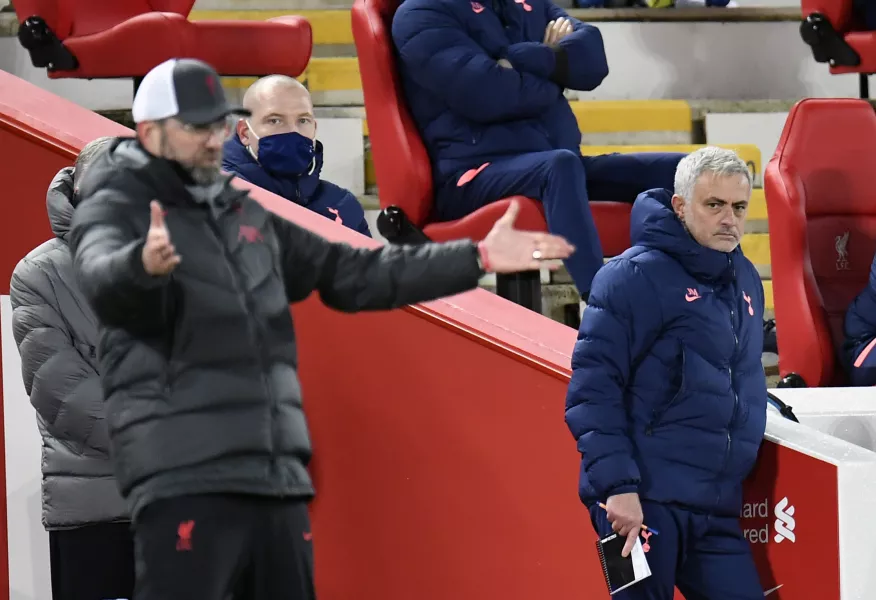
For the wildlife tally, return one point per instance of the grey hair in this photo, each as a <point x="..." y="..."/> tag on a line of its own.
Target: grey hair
<point x="711" y="159"/>
<point x="87" y="155"/>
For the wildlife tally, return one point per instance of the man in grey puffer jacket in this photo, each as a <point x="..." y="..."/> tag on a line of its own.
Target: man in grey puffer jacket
<point x="91" y="547"/>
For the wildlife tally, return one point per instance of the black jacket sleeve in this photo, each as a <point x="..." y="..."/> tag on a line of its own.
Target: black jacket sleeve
<point x="107" y="255"/>
<point x="355" y="279"/>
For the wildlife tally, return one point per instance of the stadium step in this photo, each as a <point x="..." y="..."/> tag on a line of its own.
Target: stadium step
<point x="757" y="210"/>
<point x="634" y="121"/>
<point x="330" y="27"/>
<point x="321" y="75"/>
<point x="748" y="152"/>
<point x="600" y="121"/>
<point x="669" y="121"/>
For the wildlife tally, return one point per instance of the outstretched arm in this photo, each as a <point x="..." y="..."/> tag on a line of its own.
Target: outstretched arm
<point x="353" y="279"/>
<point x="356" y="279"/>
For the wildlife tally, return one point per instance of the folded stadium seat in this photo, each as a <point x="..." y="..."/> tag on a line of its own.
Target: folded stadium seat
<point x="837" y="37"/>
<point x="822" y="216"/>
<point x="100" y="39"/>
<point x="404" y="174"/>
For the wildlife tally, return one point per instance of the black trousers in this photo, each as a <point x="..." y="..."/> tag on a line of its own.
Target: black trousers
<point x="94" y="562"/>
<point x="216" y="547"/>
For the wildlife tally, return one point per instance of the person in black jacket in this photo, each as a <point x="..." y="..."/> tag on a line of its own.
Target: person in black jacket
<point x="191" y="281"/>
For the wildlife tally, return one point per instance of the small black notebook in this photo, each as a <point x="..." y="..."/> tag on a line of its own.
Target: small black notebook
<point x="620" y="573"/>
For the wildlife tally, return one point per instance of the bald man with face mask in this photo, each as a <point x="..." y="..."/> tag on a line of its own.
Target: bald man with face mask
<point x="277" y="150"/>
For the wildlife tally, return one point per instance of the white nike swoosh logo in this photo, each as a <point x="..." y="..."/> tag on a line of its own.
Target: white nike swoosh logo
<point x="768" y="592"/>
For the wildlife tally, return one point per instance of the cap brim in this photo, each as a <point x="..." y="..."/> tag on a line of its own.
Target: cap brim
<point x="211" y="114"/>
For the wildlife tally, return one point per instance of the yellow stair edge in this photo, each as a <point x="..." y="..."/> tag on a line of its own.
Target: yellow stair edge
<point x="321" y="75"/>
<point x="768" y="294"/>
<point x="329" y="26"/>
<point x="756" y="247"/>
<point x="626" y="116"/>
<point x="748" y="152"/>
<point x="612" y="116"/>
<point x="757" y="210"/>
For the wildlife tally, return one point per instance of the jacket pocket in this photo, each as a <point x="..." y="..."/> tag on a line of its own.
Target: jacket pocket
<point x="660" y="411"/>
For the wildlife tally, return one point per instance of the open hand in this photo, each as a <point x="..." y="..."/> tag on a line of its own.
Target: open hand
<point x="556" y="31"/>
<point x="510" y="250"/>
<point x="159" y="255"/>
<point x="624" y="512"/>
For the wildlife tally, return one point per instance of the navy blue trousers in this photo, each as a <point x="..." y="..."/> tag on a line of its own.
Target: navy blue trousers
<point x="564" y="182"/>
<point x="706" y="557"/>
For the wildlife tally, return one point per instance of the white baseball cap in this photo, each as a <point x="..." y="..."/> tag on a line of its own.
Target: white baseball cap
<point x="183" y="88"/>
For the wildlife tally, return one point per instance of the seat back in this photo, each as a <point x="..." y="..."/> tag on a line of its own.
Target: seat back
<point x="839" y="12"/>
<point x="56" y="14"/>
<point x="401" y="164"/>
<point x="77" y="18"/>
<point x="93" y="16"/>
<point x="822" y="216"/>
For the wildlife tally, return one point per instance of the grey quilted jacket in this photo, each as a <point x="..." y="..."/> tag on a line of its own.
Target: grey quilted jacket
<point x="56" y="334"/>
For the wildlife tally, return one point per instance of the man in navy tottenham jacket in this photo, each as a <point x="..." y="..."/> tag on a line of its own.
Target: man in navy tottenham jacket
<point x="668" y="396"/>
<point x="276" y="149"/>
<point x="484" y="81"/>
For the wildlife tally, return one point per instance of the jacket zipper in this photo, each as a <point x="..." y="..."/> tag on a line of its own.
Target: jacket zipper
<point x="253" y="330"/>
<point x="729" y="445"/>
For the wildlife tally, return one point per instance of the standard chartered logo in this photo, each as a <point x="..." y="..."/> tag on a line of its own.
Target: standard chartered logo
<point x="785" y="522"/>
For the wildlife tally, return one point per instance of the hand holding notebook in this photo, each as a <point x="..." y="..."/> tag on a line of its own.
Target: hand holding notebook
<point x="624" y="512"/>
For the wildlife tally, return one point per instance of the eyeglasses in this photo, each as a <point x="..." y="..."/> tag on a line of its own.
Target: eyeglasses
<point x="223" y="128"/>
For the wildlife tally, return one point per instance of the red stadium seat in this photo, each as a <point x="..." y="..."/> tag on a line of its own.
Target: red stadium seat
<point x="402" y="165"/>
<point x="831" y="28"/>
<point x="822" y="215"/>
<point x="103" y="39"/>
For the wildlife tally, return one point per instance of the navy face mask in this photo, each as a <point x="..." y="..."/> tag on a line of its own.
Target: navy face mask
<point x="285" y="153"/>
